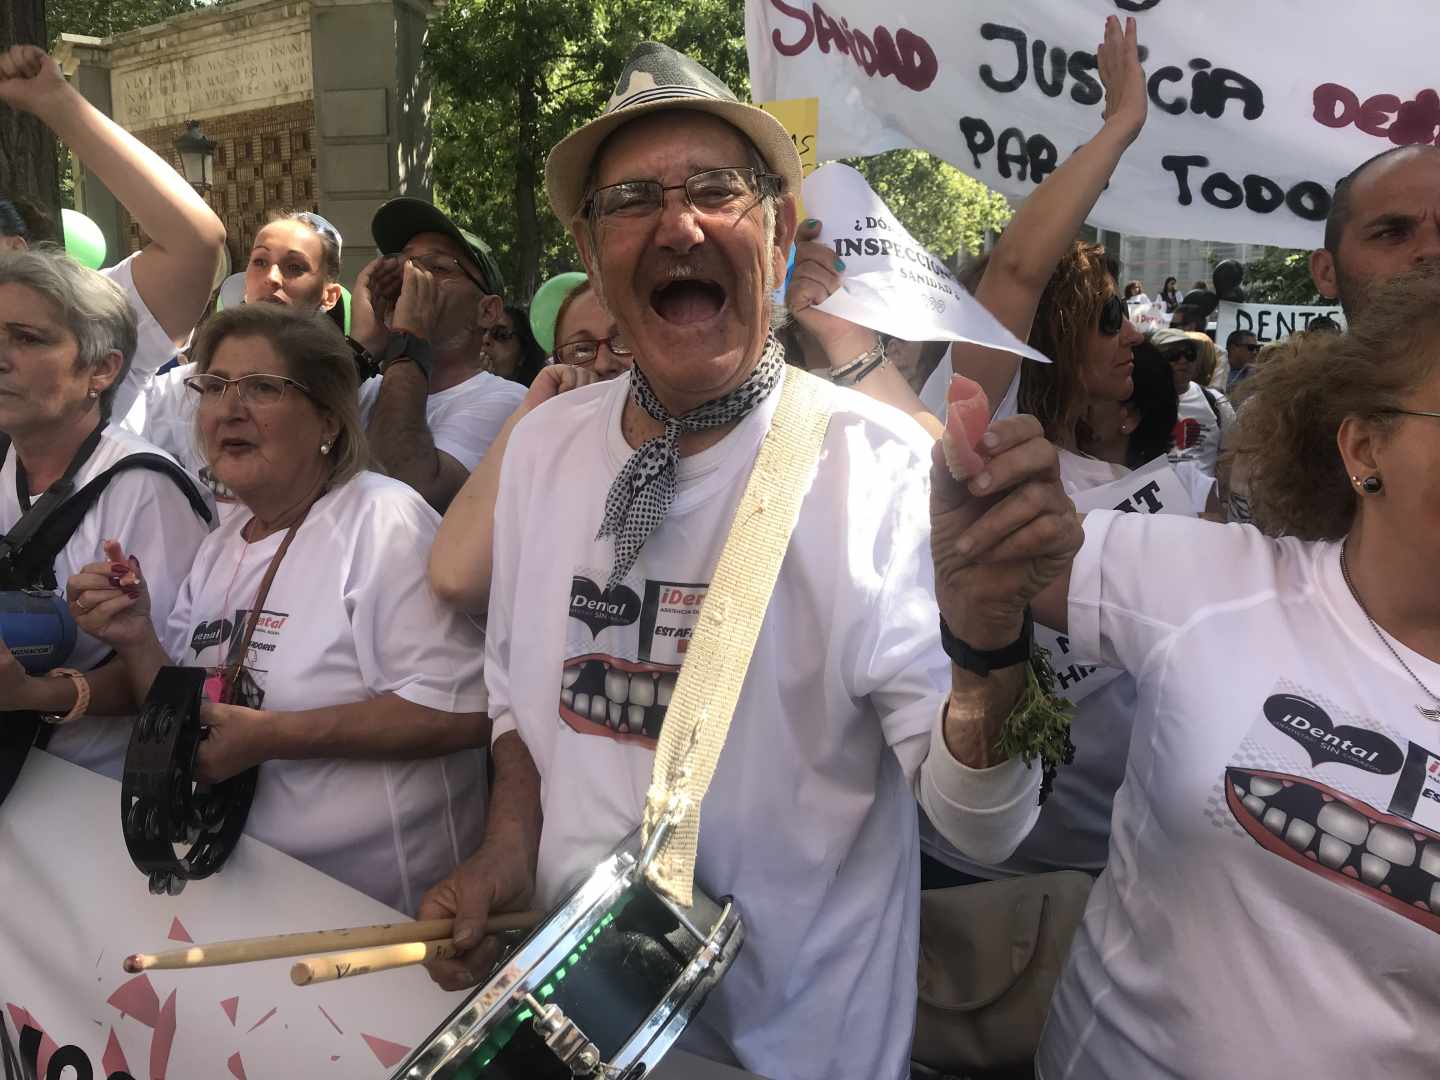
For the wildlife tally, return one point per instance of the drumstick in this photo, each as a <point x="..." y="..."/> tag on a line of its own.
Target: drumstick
<point x="278" y="946"/>
<point x="318" y="969"/>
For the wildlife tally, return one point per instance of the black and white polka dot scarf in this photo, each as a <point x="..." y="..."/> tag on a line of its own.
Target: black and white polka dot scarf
<point x="641" y="495"/>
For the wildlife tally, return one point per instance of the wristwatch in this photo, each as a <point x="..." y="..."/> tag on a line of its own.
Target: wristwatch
<point x="404" y="345"/>
<point x="983" y="661"/>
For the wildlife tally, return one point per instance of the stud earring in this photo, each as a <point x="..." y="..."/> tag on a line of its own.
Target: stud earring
<point x="324" y="448"/>
<point x="1372" y="485"/>
<point x="92" y="393"/>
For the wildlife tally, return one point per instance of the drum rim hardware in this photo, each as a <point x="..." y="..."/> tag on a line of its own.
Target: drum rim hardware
<point x="518" y="981"/>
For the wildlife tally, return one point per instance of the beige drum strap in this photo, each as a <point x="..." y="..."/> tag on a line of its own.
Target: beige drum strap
<point x="718" y="655"/>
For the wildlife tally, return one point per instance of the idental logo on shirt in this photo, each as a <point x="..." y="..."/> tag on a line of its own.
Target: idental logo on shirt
<point x="1308" y="725"/>
<point x="601" y="610"/>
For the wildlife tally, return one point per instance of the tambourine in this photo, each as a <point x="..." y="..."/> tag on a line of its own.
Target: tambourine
<point x="162" y="804"/>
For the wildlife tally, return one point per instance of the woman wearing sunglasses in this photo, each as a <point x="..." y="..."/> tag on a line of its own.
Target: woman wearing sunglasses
<point x="510" y="350"/>
<point x="333" y="666"/>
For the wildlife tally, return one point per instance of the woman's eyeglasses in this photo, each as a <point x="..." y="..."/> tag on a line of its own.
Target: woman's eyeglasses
<point x="585" y="353"/>
<point x="257" y="391"/>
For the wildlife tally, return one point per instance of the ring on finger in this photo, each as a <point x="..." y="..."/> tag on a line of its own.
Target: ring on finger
<point x="79" y="607"/>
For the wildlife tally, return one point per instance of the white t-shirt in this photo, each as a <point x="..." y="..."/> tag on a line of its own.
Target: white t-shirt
<point x="810" y="822"/>
<point x="350" y="616"/>
<point x="153" y="348"/>
<point x="1238" y="929"/>
<point x="1198" y="434"/>
<point x="153" y="520"/>
<point x="464" y="419"/>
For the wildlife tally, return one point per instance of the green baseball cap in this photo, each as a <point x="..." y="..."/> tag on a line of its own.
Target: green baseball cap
<point x="545" y="307"/>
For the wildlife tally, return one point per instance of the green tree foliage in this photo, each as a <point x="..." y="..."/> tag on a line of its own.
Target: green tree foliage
<point x="513" y="77"/>
<point x="103" y="18"/>
<point x="1280" y="276"/>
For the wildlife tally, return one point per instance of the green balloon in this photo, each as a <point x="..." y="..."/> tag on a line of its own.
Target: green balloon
<point x="345" y="299"/>
<point x="84" y="242"/>
<point x="545" y="307"/>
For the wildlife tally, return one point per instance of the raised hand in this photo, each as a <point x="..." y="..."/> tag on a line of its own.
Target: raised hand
<point x="554" y="380"/>
<point x="29" y="78"/>
<point x="372" y="301"/>
<point x="1001" y="535"/>
<point x="419" y="303"/>
<point x="1126" y="103"/>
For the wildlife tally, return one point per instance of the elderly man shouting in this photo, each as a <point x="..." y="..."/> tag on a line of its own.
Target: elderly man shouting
<point x="614" y="504"/>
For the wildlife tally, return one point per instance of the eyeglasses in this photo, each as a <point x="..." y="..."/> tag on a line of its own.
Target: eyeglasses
<point x="721" y="193"/>
<point x="257" y="391"/>
<point x="1112" y="316"/>
<point x="1410" y="412"/>
<point x="445" y="268"/>
<point x="585" y="353"/>
<point x="500" y="334"/>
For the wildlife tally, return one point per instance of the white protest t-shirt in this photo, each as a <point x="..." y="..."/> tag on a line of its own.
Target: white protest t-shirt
<point x="810" y="822"/>
<point x="350" y="616"/>
<point x="153" y="348"/>
<point x="153" y="520"/>
<point x="1073" y="832"/>
<point x="1272" y="901"/>
<point x="464" y="419"/>
<point x="1198" y="434"/>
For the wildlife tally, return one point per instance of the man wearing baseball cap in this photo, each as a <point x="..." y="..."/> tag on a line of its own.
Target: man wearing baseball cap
<point x="615" y="501"/>
<point x="421" y="310"/>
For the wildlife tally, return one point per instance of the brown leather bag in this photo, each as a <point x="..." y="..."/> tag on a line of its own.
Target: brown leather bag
<point x="990" y="955"/>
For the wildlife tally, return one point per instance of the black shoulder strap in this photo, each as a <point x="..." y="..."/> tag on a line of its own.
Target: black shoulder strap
<point x="1214" y="407"/>
<point x="36" y="555"/>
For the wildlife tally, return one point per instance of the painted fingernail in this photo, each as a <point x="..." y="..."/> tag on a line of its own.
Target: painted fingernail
<point x="133" y="593"/>
<point x="839" y="264"/>
<point x="810" y="223"/>
<point x="119" y="568"/>
<point x="981" y="482"/>
<point x="990" y="439"/>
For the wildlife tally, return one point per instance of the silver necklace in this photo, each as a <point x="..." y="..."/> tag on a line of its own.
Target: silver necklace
<point x="1432" y="715"/>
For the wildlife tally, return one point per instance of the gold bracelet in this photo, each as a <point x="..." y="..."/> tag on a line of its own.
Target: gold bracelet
<point x="82" y="696"/>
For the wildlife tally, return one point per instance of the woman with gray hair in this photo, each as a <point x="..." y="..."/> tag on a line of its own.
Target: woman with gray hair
<point x="67" y="337"/>
<point x="333" y="665"/>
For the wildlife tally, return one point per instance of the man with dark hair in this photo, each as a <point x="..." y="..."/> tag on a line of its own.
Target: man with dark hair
<point x="1385" y="218"/>
<point x="422" y="309"/>
<point x="1188" y="317"/>
<point x="1240" y="349"/>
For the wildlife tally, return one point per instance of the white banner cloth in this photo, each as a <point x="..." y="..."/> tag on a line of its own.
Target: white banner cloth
<point x="1269" y="322"/>
<point x="75" y="906"/>
<point x="1255" y="109"/>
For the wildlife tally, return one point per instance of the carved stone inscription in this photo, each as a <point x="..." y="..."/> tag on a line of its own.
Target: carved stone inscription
<point x="226" y="79"/>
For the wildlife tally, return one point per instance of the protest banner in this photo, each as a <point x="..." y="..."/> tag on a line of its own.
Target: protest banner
<point x="801" y="118"/>
<point x="1244" y="141"/>
<point x="1270" y="322"/>
<point x="75" y="906"/>
<point x="1152" y="489"/>
<point x="891" y="284"/>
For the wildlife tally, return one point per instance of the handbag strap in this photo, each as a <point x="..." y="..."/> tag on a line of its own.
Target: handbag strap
<point x="259" y="606"/>
<point x="727" y="628"/>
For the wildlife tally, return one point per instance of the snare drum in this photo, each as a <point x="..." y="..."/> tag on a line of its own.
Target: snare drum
<point x="601" y="988"/>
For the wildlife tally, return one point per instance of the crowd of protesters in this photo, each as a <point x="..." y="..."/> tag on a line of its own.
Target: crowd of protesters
<point x="420" y="509"/>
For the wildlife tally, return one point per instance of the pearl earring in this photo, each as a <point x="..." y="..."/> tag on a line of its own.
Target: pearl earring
<point x="92" y="393"/>
<point x="324" y="448"/>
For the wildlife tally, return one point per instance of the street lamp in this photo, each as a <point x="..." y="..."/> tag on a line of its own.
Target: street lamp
<point x="197" y="156"/>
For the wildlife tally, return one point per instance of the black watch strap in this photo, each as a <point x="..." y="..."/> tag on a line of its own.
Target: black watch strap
<point x="404" y="345"/>
<point x="984" y="661"/>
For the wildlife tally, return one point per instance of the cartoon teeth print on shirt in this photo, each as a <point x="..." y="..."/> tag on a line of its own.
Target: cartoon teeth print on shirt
<point x="625" y="654"/>
<point x="1308" y="789"/>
